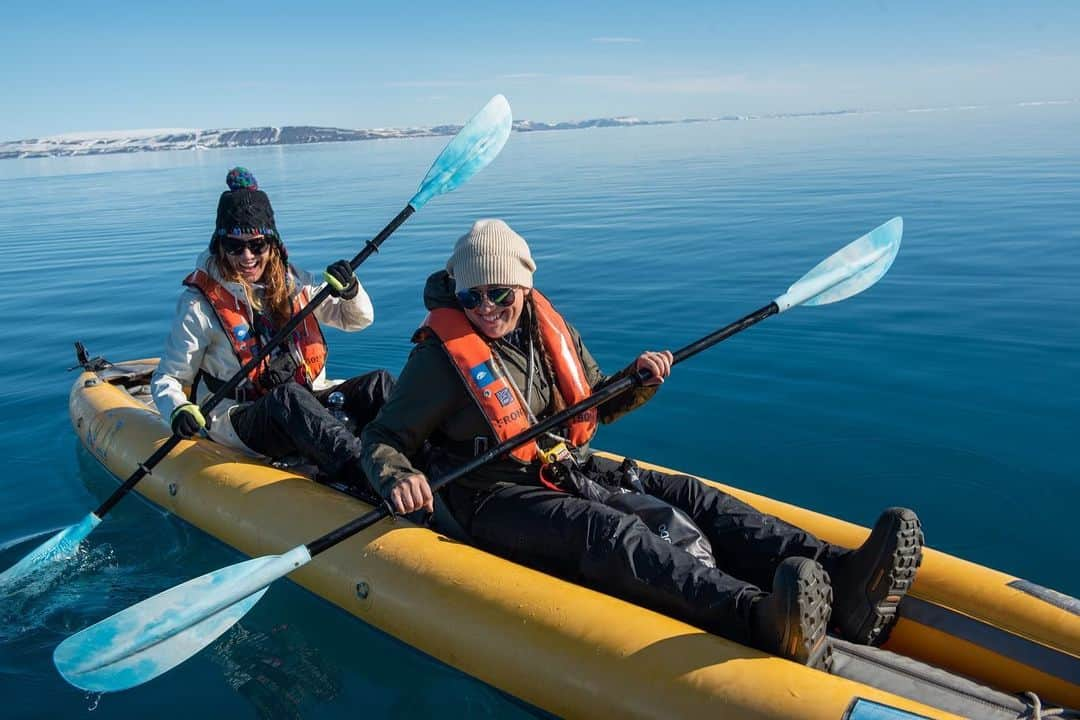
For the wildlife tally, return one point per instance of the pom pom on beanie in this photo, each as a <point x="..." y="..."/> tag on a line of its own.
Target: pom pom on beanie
<point x="244" y="208"/>
<point x="240" y="177"/>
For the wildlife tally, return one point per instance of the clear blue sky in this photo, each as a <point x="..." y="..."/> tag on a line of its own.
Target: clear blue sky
<point x="106" y="65"/>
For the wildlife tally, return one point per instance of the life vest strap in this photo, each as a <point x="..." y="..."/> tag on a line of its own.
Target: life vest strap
<point x="241" y="392"/>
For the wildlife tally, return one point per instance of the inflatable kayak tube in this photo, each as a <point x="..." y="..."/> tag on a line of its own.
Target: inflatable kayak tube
<point x="970" y="641"/>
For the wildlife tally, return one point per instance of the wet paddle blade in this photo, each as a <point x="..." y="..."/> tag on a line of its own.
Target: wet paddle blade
<point x="147" y="639"/>
<point x="848" y="271"/>
<point x="469" y="152"/>
<point x="78" y="667"/>
<point x="60" y="546"/>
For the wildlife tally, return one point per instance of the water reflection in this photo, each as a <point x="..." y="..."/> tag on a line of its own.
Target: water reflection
<point x="276" y="670"/>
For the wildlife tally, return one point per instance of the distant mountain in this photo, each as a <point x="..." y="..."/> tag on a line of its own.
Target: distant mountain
<point x="152" y="140"/>
<point x="534" y="126"/>
<point x="133" y="141"/>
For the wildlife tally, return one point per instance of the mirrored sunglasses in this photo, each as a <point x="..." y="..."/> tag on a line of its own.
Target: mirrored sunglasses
<point x="234" y="246"/>
<point x="473" y="297"/>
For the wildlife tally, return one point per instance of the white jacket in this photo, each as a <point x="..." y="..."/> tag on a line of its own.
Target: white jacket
<point x="198" y="342"/>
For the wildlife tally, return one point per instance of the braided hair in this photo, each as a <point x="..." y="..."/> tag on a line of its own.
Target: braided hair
<point x="547" y="366"/>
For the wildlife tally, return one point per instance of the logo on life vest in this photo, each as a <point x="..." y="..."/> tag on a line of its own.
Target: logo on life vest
<point x="514" y="416"/>
<point x="504" y="397"/>
<point x="586" y="416"/>
<point x="482" y="374"/>
<point x="240" y="332"/>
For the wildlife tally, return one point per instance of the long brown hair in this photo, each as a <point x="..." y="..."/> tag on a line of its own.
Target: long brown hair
<point x="278" y="285"/>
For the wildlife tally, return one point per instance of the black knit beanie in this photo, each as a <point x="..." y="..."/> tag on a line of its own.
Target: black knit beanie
<point x="244" y="208"/>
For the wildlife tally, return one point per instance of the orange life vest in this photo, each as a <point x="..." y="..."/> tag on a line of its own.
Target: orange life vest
<point x="234" y="316"/>
<point x="471" y="356"/>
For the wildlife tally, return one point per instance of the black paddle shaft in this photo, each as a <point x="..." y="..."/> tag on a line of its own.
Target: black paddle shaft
<point x="371" y="247"/>
<point x="600" y="396"/>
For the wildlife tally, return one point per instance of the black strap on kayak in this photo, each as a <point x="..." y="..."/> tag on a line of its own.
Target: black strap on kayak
<point x="199" y="376"/>
<point x="214" y="385"/>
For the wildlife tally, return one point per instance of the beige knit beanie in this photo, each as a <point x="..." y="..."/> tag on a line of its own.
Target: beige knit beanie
<point x="490" y="254"/>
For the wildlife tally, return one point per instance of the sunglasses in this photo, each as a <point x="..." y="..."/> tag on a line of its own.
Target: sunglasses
<point x="234" y="246"/>
<point x="473" y="297"/>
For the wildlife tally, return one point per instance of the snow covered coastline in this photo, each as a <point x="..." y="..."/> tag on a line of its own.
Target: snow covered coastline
<point x="133" y="141"/>
<point x="107" y="143"/>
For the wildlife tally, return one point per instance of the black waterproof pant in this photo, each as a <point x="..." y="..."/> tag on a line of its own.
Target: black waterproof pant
<point x="616" y="553"/>
<point x="291" y="419"/>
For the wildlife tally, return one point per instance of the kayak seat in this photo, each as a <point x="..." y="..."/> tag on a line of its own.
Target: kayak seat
<point x="931" y="685"/>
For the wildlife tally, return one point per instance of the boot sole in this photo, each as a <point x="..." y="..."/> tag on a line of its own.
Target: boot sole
<point x="810" y="646"/>
<point x="884" y="592"/>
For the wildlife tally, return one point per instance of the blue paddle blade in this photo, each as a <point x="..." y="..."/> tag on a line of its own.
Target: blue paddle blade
<point x="147" y="639"/>
<point x="849" y="270"/>
<point x="470" y="151"/>
<point x="60" y="546"/>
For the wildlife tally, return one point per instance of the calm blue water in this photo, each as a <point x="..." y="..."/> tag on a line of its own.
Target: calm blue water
<point x="951" y="386"/>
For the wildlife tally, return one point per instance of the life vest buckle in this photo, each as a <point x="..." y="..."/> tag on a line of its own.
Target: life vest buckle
<point x="556" y="465"/>
<point x="556" y="453"/>
<point x="479" y="445"/>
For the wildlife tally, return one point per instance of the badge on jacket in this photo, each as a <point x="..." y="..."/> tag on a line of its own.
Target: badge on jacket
<point x="483" y="374"/>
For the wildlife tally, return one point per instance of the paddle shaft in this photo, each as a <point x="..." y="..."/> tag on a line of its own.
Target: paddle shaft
<point x="371" y="247"/>
<point x="600" y="396"/>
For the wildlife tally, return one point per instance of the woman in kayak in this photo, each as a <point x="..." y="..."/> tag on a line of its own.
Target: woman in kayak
<point x="492" y="357"/>
<point x="242" y="290"/>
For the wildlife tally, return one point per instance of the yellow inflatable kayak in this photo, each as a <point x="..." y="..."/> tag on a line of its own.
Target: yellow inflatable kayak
<point x="970" y="641"/>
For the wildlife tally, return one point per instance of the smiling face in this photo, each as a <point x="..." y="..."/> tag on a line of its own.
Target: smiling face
<point x="495" y="321"/>
<point x="247" y="264"/>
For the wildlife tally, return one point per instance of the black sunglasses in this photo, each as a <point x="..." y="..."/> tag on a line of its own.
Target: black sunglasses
<point x="234" y="246"/>
<point x="499" y="295"/>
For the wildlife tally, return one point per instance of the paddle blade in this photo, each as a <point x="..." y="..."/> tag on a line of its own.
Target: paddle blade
<point x="468" y="153"/>
<point x="848" y="271"/>
<point x="77" y="664"/>
<point x="147" y="639"/>
<point x="60" y="546"/>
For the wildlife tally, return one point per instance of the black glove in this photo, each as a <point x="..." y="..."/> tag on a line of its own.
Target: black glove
<point x="342" y="280"/>
<point x="279" y="370"/>
<point x="188" y="420"/>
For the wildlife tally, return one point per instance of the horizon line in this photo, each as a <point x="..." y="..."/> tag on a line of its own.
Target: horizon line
<point x="143" y="132"/>
<point x="121" y="136"/>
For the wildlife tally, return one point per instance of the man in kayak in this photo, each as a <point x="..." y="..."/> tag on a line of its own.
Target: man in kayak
<point x="242" y="290"/>
<point x="492" y="357"/>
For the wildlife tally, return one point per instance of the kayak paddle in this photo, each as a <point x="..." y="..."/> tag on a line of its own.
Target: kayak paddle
<point x="147" y="639"/>
<point x="474" y="146"/>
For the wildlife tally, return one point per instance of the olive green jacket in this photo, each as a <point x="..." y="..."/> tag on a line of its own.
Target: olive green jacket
<point x="431" y="403"/>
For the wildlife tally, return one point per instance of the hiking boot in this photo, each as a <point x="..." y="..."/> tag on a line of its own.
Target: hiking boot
<point x="869" y="582"/>
<point x="792" y="620"/>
